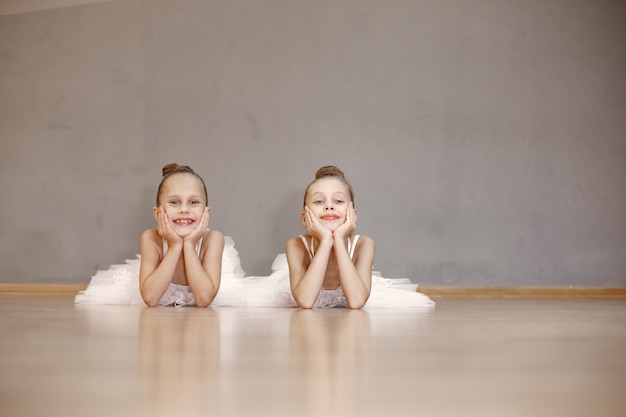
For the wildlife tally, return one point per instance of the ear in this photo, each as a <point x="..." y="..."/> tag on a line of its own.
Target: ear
<point x="155" y="212"/>
<point x="356" y="214"/>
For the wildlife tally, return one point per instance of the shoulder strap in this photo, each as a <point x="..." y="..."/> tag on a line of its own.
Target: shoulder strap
<point x="306" y="245"/>
<point x="352" y="245"/>
<point x="199" y="245"/>
<point x="311" y="250"/>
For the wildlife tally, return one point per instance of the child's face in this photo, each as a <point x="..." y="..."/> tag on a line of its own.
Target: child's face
<point x="328" y="199"/>
<point x="182" y="197"/>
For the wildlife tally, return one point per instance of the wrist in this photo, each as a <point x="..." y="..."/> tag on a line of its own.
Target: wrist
<point x="340" y="241"/>
<point x="174" y="246"/>
<point x="190" y="243"/>
<point x="326" y="242"/>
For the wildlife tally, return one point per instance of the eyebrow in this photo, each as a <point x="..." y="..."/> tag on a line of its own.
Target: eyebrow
<point x="196" y="196"/>
<point x="332" y="194"/>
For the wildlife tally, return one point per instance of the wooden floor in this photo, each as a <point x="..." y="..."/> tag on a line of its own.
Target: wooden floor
<point x="467" y="357"/>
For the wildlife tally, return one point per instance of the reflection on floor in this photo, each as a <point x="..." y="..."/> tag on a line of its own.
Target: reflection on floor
<point x="466" y="357"/>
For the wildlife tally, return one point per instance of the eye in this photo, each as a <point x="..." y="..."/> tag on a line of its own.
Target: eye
<point x="317" y="202"/>
<point x="173" y="202"/>
<point x="196" y="202"/>
<point x="339" y="201"/>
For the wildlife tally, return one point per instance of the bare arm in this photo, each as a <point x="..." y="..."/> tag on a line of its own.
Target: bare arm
<point x="204" y="277"/>
<point x="155" y="274"/>
<point x="355" y="274"/>
<point x="306" y="277"/>
<point x="203" y="271"/>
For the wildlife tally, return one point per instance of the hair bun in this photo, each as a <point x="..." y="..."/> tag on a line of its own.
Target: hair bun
<point x="169" y="168"/>
<point x="175" y="168"/>
<point x="329" y="171"/>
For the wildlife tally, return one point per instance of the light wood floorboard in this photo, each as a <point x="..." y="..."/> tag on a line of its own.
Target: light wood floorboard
<point x="448" y="292"/>
<point x="466" y="357"/>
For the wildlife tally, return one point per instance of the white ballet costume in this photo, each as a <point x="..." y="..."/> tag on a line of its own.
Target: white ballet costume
<point x="385" y="292"/>
<point x="120" y="285"/>
<point x="275" y="291"/>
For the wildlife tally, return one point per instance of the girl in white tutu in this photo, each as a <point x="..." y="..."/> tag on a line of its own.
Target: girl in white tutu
<point x="331" y="266"/>
<point x="330" y="260"/>
<point x="181" y="260"/>
<point x="184" y="263"/>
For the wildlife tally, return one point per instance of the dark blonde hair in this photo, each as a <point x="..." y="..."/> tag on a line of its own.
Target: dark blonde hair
<point x="173" y="168"/>
<point x="330" y="171"/>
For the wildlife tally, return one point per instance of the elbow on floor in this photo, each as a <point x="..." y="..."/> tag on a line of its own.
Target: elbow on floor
<point x="205" y="300"/>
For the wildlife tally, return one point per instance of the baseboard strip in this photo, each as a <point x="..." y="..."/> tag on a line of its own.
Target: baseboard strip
<point x="435" y="292"/>
<point x="43" y="289"/>
<point x="523" y="292"/>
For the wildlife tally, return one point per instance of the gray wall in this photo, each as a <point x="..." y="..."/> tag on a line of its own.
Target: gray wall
<point x="485" y="139"/>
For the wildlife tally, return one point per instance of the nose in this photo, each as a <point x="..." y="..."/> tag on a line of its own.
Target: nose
<point x="329" y="206"/>
<point x="183" y="208"/>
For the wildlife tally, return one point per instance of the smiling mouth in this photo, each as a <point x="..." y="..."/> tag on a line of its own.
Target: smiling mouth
<point x="183" y="222"/>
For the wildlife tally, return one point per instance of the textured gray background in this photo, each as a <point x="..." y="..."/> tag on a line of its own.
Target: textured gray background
<point x="485" y="140"/>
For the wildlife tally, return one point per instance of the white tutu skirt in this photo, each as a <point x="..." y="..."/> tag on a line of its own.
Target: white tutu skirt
<point x="120" y="285"/>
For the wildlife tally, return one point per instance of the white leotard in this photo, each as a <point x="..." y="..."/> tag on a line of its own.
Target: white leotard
<point x="311" y="249"/>
<point x="335" y="297"/>
<point x="176" y="294"/>
<point x="119" y="284"/>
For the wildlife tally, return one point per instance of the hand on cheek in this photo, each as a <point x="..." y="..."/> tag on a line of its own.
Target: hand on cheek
<point x="349" y="225"/>
<point x="166" y="230"/>
<point x="314" y="227"/>
<point x="201" y="226"/>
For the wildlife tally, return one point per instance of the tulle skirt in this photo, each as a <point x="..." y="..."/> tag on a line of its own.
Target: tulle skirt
<point x="120" y="285"/>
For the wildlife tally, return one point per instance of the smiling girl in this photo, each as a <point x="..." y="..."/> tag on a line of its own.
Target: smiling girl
<point x="182" y="262"/>
<point x="331" y="266"/>
<point x="181" y="259"/>
<point x="330" y="262"/>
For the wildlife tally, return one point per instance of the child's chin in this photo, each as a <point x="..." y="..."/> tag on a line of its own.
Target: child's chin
<point x="183" y="232"/>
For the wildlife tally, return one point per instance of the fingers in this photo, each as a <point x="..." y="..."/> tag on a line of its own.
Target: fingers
<point x="198" y="231"/>
<point x="166" y="230"/>
<point x="207" y="210"/>
<point x="349" y="224"/>
<point x="351" y="217"/>
<point x="204" y="220"/>
<point x="167" y="225"/>
<point x="308" y="214"/>
<point x="162" y="225"/>
<point x="351" y="213"/>
<point x="312" y="223"/>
